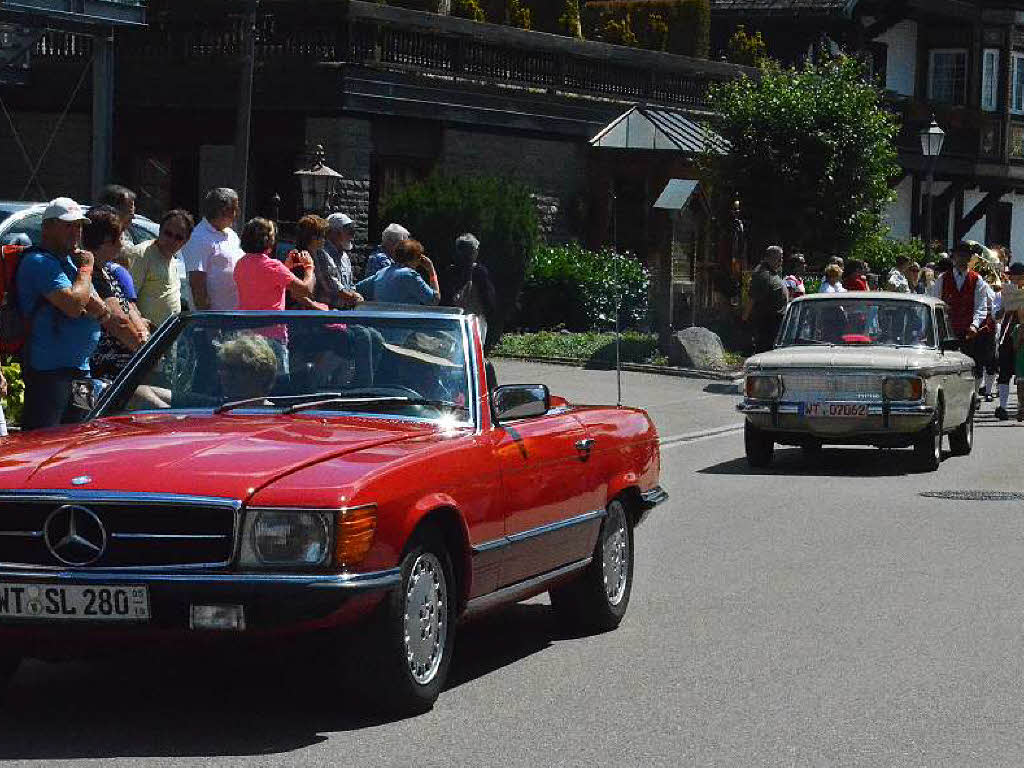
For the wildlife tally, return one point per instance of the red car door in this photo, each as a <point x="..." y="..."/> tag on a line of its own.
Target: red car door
<point x="545" y="484"/>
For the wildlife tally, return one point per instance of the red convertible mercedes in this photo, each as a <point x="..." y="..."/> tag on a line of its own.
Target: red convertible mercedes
<point x="273" y="474"/>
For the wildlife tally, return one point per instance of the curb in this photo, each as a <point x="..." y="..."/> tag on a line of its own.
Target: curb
<point x="660" y="370"/>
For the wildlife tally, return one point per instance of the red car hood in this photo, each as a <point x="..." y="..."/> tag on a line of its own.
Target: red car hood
<point x="227" y="455"/>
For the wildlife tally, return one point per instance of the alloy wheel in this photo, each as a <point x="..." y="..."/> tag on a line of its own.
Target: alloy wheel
<point x="426" y="617"/>
<point x="615" y="553"/>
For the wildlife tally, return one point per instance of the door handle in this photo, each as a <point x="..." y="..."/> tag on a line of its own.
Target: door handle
<point x="585" y="445"/>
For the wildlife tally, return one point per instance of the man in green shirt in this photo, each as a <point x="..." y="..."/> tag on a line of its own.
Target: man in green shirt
<point x="156" y="270"/>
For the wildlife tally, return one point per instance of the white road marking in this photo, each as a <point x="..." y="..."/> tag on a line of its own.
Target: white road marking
<point x="704" y="434"/>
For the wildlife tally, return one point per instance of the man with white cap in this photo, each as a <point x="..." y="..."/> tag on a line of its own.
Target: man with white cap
<point x="384" y="254"/>
<point x="333" y="267"/>
<point x="55" y="293"/>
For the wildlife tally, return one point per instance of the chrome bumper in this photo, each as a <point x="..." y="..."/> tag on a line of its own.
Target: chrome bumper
<point x="649" y="500"/>
<point x="874" y="409"/>
<point x="348" y="582"/>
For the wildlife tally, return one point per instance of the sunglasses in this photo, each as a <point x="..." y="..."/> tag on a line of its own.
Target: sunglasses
<point x="176" y="236"/>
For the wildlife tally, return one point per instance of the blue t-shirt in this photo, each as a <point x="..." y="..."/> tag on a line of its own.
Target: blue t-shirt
<point x="55" y="340"/>
<point x="397" y="285"/>
<point x="377" y="261"/>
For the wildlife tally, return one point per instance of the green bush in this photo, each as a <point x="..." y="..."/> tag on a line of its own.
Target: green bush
<point x="15" y="400"/>
<point x="675" y="26"/>
<point x="579" y="289"/>
<point x="500" y="212"/>
<point x="880" y="252"/>
<point x="589" y="346"/>
<point x="468" y="9"/>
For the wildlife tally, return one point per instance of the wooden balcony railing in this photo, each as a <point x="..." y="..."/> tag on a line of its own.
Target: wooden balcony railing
<point x="351" y="32"/>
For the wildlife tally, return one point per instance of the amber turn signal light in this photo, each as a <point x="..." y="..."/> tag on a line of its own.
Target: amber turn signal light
<point x="356" y="527"/>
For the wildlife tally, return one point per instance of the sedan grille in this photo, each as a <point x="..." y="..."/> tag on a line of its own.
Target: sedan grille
<point x="815" y="386"/>
<point x="145" y="534"/>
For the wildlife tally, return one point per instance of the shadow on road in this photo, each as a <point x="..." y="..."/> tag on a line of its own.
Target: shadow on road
<point x="722" y="388"/>
<point x="244" y="703"/>
<point x="831" y="462"/>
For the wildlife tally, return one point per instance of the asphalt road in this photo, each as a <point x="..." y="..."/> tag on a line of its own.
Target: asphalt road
<point x="807" y="615"/>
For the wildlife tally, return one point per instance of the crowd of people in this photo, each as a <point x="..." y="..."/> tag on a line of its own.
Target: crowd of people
<point x="90" y="296"/>
<point x="983" y="288"/>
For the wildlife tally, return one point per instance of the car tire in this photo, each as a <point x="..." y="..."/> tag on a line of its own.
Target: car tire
<point x="8" y="669"/>
<point x="759" y="446"/>
<point x="928" y="445"/>
<point x="597" y="600"/>
<point x="961" y="439"/>
<point x="412" y="635"/>
<point x="812" y="449"/>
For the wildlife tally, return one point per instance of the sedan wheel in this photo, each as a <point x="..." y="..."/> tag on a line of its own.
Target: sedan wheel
<point x="597" y="599"/>
<point x="409" y="647"/>
<point x="961" y="439"/>
<point x="760" y="447"/>
<point x="928" y="446"/>
<point x="8" y="668"/>
<point x="426" y="618"/>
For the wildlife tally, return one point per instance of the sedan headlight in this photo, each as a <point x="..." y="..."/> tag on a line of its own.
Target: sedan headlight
<point x="902" y="387"/>
<point x="287" y="537"/>
<point x="760" y="387"/>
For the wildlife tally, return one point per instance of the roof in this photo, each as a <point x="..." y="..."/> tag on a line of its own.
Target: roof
<point x="659" y="128"/>
<point x="873" y="295"/>
<point x="827" y="7"/>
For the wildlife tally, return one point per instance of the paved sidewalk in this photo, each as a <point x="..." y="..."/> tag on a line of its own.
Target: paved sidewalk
<point x="680" y="407"/>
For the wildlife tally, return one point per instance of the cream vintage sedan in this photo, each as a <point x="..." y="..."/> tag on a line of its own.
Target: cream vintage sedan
<point x="880" y="369"/>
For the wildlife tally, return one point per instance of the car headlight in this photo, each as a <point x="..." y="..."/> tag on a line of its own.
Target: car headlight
<point x="759" y="387"/>
<point x="902" y="387"/>
<point x="287" y="537"/>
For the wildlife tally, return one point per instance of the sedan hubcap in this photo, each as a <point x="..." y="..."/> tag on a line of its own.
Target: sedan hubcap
<point x="426" y="618"/>
<point x="615" y="553"/>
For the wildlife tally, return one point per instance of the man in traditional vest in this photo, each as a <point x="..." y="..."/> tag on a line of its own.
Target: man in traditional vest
<point x="966" y="295"/>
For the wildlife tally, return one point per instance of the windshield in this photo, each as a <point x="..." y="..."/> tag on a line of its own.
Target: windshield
<point x="859" y="322"/>
<point x="292" y="362"/>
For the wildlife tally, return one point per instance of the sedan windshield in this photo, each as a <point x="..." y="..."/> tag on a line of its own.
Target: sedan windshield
<point x="859" y="322"/>
<point x="294" y="362"/>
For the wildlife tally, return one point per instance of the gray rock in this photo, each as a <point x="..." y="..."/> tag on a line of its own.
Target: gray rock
<point x="696" y="348"/>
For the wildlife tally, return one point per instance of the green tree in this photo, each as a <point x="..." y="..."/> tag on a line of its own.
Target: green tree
<point x="500" y="212"/>
<point x="747" y="49"/>
<point x="810" y="157"/>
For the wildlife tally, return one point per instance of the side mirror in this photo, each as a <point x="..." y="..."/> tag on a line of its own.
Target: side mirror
<point x="950" y="345"/>
<point x="520" y="401"/>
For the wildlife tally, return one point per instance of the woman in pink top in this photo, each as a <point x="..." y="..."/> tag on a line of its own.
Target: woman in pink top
<point x="262" y="280"/>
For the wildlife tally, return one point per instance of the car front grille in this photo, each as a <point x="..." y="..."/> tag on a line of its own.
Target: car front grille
<point x="142" y="533"/>
<point x="816" y="386"/>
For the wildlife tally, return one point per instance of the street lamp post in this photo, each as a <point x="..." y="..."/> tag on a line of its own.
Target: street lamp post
<point x="318" y="184"/>
<point x="931" y="145"/>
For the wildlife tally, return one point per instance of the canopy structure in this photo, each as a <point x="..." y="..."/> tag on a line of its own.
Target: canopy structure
<point x="676" y="194"/>
<point x="658" y="128"/>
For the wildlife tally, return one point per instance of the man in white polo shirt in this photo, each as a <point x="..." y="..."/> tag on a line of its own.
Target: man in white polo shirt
<point x="212" y="251"/>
